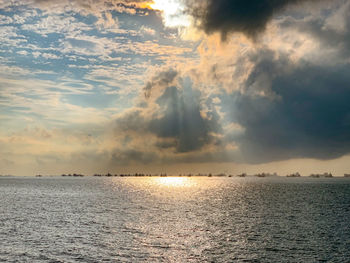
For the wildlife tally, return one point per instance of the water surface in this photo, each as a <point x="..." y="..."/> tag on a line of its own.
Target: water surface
<point x="174" y="220"/>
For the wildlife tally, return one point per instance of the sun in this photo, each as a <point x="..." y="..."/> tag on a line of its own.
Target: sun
<point x="173" y="12"/>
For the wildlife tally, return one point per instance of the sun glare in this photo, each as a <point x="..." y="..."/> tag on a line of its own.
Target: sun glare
<point x="172" y="11"/>
<point x="173" y="181"/>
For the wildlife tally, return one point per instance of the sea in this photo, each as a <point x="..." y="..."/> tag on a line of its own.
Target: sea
<point x="170" y="219"/>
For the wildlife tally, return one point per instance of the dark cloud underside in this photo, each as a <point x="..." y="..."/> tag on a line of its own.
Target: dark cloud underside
<point x="182" y="120"/>
<point x="248" y="17"/>
<point x="309" y="117"/>
<point x="178" y="122"/>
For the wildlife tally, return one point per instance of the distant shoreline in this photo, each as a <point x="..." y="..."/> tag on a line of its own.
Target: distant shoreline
<point x="222" y="175"/>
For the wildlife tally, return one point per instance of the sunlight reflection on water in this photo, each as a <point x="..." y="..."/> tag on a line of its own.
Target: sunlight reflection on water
<point x="169" y="187"/>
<point x="174" y="181"/>
<point x="174" y="219"/>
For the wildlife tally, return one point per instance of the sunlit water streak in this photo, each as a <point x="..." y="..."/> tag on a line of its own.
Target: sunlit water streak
<point x="161" y="182"/>
<point x="173" y="181"/>
<point x="169" y="219"/>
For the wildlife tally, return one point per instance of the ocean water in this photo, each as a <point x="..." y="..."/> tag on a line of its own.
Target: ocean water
<point x="174" y="220"/>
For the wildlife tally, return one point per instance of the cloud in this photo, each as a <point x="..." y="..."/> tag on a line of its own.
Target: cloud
<point x="174" y="115"/>
<point x="266" y="102"/>
<point x="225" y="16"/>
<point x="92" y="6"/>
<point x="332" y="31"/>
<point x="107" y="20"/>
<point x="289" y="92"/>
<point x="282" y="97"/>
<point x="147" y="30"/>
<point x="182" y="120"/>
<point x="161" y="80"/>
<point x="59" y="24"/>
<point x="308" y="116"/>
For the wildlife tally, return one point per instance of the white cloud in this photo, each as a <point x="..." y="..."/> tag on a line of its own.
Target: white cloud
<point x="5" y="20"/>
<point x="60" y="24"/>
<point x="22" y="52"/>
<point x="50" y="56"/>
<point x="148" y="30"/>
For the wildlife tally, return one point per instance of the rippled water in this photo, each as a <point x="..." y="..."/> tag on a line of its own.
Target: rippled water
<point x="174" y="220"/>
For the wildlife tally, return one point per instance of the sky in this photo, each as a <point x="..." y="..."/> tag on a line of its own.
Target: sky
<point x="175" y="86"/>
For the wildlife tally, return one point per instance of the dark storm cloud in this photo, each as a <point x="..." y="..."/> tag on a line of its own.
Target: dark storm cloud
<point x="308" y="116"/>
<point x="224" y="16"/>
